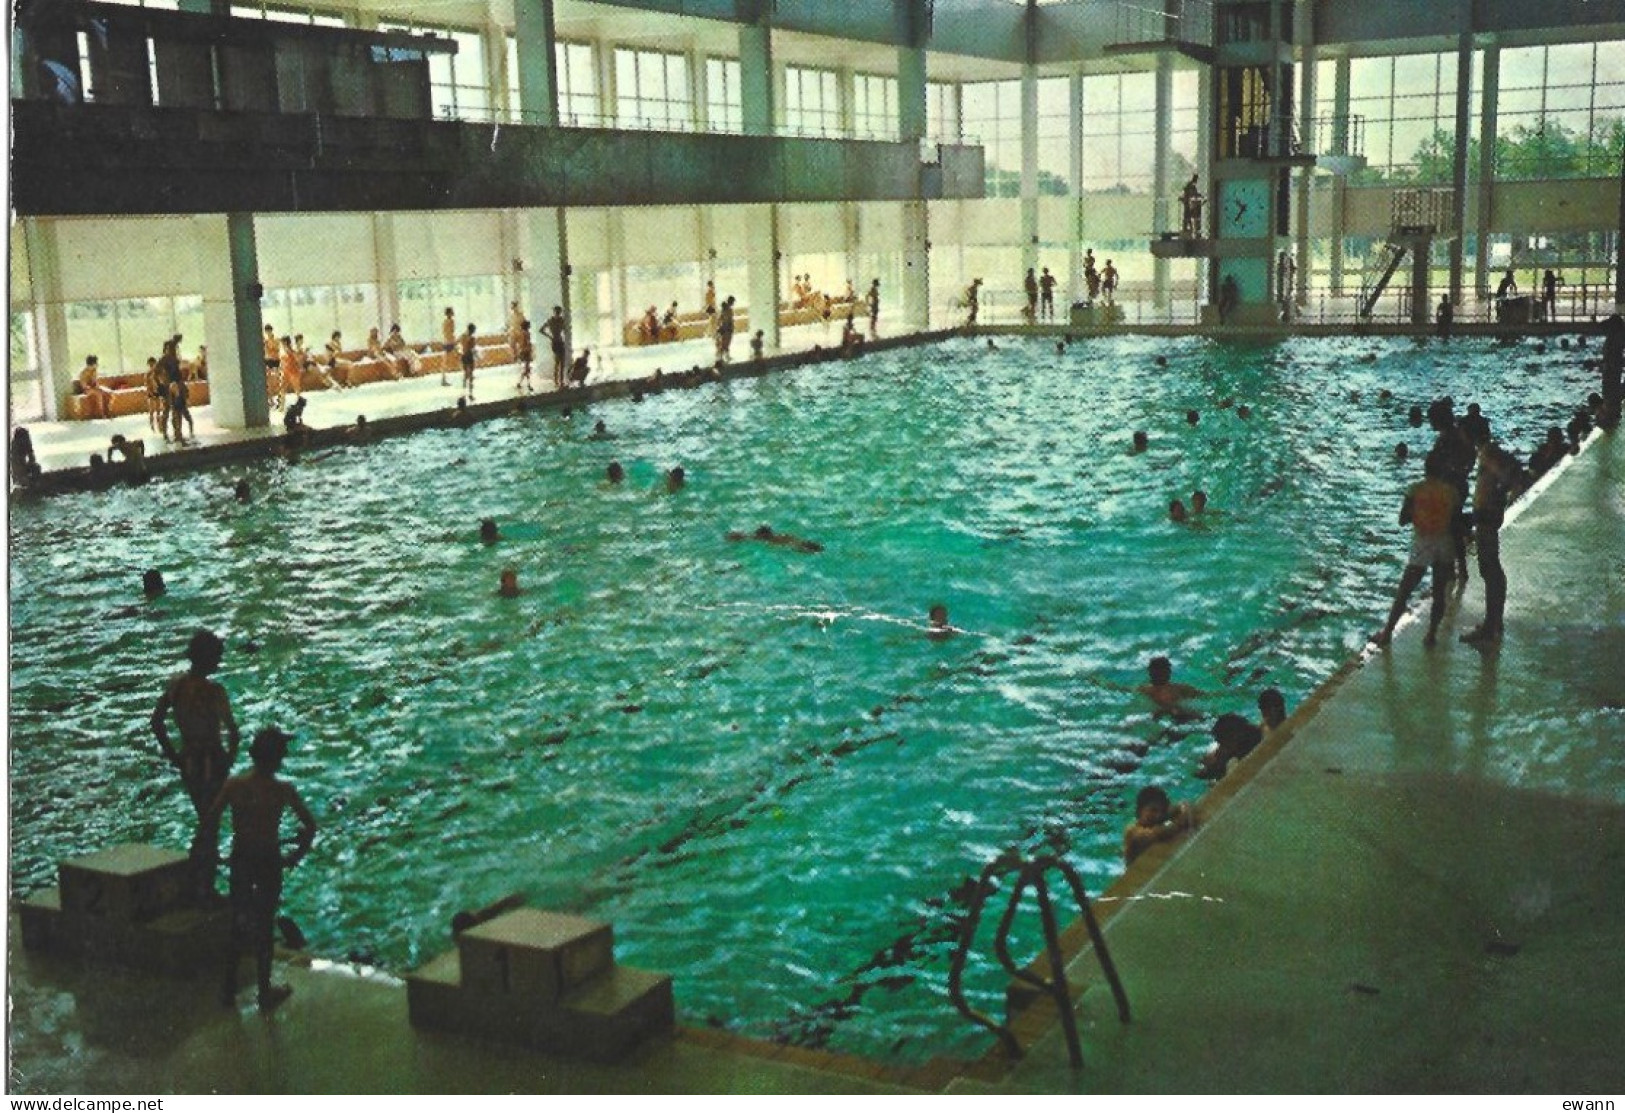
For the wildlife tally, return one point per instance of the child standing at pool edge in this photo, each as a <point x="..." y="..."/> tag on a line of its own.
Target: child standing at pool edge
<point x="257" y="800"/>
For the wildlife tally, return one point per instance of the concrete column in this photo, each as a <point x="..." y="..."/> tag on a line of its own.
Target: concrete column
<point x="916" y="307"/>
<point x="615" y="226"/>
<point x="1204" y="169"/>
<point x="603" y="55"/>
<point x="697" y="85"/>
<point x="227" y="263"/>
<point x="538" y="62"/>
<point x="756" y="79"/>
<point x="911" y="113"/>
<point x="1458" y="168"/>
<point x="1160" y="186"/>
<point x="494" y="46"/>
<point x="1303" y="24"/>
<point x="846" y="91"/>
<point x="1340" y="183"/>
<point x="58" y="365"/>
<point x="1074" y="130"/>
<point x="544" y="253"/>
<point x="1029" y="166"/>
<point x="761" y="277"/>
<point x="386" y="269"/>
<point x="1487" y="127"/>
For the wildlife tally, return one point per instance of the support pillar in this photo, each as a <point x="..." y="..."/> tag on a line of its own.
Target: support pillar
<point x="386" y="270"/>
<point x="761" y="275"/>
<point x="1458" y="165"/>
<point x="57" y="363"/>
<point x="1303" y="23"/>
<point x="227" y="263"/>
<point x="756" y="79"/>
<point x="534" y="43"/>
<point x="544" y="254"/>
<point x="1487" y="128"/>
<point x="1074" y="254"/>
<point x="1160" y="186"/>
<point x="1340" y="184"/>
<point x="1204" y="171"/>
<point x="1421" y="268"/>
<point x="916" y="268"/>
<point x="1029" y="166"/>
<point x="915" y="309"/>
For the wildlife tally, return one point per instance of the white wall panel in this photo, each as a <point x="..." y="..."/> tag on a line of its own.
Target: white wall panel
<point x="880" y="226"/>
<point x="316" y="249"/>
<point x="809" y="229"/>
<point x="669" y="234"/>
<point x="730" y="231"/>
<point x="588" y="231"/>
<point x="125" y="258"/>
<point x="448" y="245"/>
<point x="22" y="286"/>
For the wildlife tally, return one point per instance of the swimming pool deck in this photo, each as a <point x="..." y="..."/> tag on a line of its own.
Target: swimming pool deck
<point x="1423" y="890"/>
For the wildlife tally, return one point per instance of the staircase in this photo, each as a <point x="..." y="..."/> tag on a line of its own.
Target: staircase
<point x="544" y="979"/>
<point x="1387" y="263"/>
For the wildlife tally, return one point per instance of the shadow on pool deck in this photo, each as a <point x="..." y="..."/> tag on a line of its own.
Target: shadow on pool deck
<point x="1422" y="891"/>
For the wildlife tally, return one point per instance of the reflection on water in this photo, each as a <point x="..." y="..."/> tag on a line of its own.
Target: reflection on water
<point x="751" y="759"/>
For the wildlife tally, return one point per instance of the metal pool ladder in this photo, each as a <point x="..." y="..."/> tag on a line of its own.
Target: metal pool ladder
<point x="1032" y="872"/>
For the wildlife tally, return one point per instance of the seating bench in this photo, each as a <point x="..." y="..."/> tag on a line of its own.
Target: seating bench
<point x="129" y="396"/>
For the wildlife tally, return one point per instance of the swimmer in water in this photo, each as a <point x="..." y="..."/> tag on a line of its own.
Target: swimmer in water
<point x="1402" y="452"/>
<point x="1176" y="512"/>
<point x="1192" y="417"/>
<point x="1271" y="711"/>
<point x="509" y="586"/>
<point x="242" y="492"/>
<point x="152" y="583"/>
<point x="1244" y="412"/>
<point x="675" y="479"/>
<point x="1155" y="821"/>
<point x="1167" y="695"/>
<point x="766" y="534"/>
<point x="600" y="432"/>
<point x="614" y="473"/>
<point x="939" y="627"/>
<point x="1141" y="442"/>
<point x="1233" y="739"/>
<point x="488" y="531"/>
<point x="1198" y="502"/>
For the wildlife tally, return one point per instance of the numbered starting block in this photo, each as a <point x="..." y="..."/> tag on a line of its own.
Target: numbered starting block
<point x="129" y="905"/>
<point x="544" y="979"/>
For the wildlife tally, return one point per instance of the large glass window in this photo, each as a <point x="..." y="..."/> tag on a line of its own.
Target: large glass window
<point x="1408" y="106"/>
<point x="652" y="90"/>
<point x="1561" y="111"/>
<point x="723" y="101"/>
<point x="23" y="370"/>
<point x="1119" y="132"/>
<point x="812" y="104"/>
<point x="577" y="78"/>
<point x="1054" y="136"/>
<point x="874" y="106"/>
<point x="942" y="111"/>
<point x="991" y="115"/>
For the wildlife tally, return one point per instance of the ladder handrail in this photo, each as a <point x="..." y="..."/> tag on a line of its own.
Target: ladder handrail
<point x="1031" y="872"/>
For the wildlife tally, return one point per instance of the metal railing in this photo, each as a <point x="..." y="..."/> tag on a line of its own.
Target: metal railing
<point x="1410" y="209"/>
<point x="1273" y="137"/>
<point x="1032" y="874"/>
<point x="1341" y="134"/>
<point x="1173" y="21"/>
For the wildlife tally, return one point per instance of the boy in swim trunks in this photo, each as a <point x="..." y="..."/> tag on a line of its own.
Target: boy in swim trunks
<point x="1162" y="691"/>
<point x="202" y="710"/>
<point x="1429" y="508"/>
<point x="1154" y="821"/>
<point x="257" y="800"/>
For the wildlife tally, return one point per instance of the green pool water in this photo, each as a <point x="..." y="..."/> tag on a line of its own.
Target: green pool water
<point x="751" y="760"/>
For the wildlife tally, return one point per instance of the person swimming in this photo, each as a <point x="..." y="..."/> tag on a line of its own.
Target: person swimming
<point x="1141" y="442"/>
<point x="939" y="627"/>
<point x="1198" y="502"/>
<point x="152" y="583"/>
<point x="614" y="473"/>
<point x="769" y="536"/>
<point x="1192" y="417"/>
<point x="675" y="479"/>
<point x="488" y="531"/>
<point x="1165" y="693"/>
<point x="508" y="588"/>
<point x="1176" y="512"/>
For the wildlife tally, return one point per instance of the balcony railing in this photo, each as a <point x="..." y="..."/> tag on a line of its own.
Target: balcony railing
<point x="1171" y="22"/>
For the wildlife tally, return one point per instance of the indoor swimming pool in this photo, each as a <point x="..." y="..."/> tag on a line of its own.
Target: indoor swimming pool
<point x="751" y="759"/>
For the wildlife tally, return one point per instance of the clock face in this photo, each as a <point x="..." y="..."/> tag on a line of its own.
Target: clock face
<point x="1244" y="208"/>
